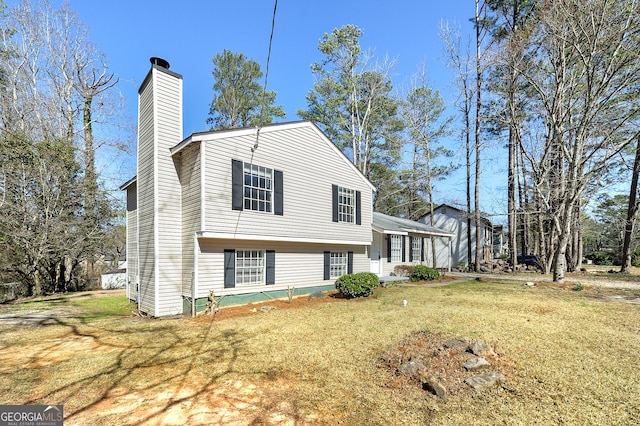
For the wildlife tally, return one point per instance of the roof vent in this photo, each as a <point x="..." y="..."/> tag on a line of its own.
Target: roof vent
<point x="159" y="62"/>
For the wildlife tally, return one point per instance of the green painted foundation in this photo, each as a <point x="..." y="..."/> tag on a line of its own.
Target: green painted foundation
<point x="243" y="299"/>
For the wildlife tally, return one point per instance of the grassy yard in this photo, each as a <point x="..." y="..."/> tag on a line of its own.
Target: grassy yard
<point x="573" y="358"/>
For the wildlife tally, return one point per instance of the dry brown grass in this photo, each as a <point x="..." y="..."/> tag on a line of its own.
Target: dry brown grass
<point x="574" y="361"/>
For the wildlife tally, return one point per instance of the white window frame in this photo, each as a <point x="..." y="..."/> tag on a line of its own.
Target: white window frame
<point x="416" y="249"/>
<point x="257" y="188"/>
<point x="250" y="268"/>
<point x="396" y="248"/>
<point x="346" y="205"/>
<point x="338" y="264"/>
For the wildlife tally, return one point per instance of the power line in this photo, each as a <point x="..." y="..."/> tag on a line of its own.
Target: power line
<point x="266" y="77"/>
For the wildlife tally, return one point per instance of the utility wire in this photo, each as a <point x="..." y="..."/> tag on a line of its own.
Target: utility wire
<point x="266" y="78"/>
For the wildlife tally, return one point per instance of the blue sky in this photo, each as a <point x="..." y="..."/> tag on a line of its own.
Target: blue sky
<point x="189" y="33"/>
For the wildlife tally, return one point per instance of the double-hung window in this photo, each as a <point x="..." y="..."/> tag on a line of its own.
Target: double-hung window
<point x="258" y="187"/>
<point x="396" y="248"/>
<point x="338" y="264"/>
<point x="416" y="249"/>
<point x="250" y="267"/>
<point x="346" y="205"/>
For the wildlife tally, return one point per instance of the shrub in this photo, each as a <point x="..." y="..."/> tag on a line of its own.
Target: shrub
<point x="403" y="270"/>
<point x="357" y="285"/>
<point x="424" y="273"/>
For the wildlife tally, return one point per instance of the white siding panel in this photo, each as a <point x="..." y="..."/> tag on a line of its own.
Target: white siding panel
<point x="168" y="120"/>
<point x="296" y="265"/>
<point x="146" y="215"/>
<point x="190" y="181"/>
<point x="309" y="167"/>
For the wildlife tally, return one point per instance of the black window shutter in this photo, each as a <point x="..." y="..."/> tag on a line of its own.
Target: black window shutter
<point x="404" y="254"/>
<point x="277" y="192"/>
<point x="229" y="268"/>
<point x="334" y="201"/>
<point x="350" y="262"/>
<point x="388" y="248"/>
<point x="271" y="267"/>
<point x="327" y="263"/>
<point x="237" y="184"/>
<point x="410" y="248"/>
<point x="422" y="251"/>
<point x="358" y="204"/>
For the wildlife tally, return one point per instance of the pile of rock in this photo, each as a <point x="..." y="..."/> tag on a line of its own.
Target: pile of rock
<point x="442" y="363"/>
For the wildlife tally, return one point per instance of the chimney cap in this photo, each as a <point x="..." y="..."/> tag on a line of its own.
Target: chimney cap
<point x="159" y="62"/>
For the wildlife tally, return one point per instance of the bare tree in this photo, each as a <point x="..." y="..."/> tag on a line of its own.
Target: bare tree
<point x="584" y="66"/>
<point x="632" y="212"/>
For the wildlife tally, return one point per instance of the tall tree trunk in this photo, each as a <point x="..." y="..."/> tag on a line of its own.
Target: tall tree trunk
<point x="632" y="213"/>
<point x="476" y="194"/>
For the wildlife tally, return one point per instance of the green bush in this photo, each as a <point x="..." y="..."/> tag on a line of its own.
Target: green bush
<point x="357" y="285"/>
<point x="424" y="273"/>
<point x="403" y="270"/>
<point x="601" y="258"/>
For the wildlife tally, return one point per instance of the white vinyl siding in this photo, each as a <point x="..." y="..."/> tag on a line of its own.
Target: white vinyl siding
<point x="296" y="265"/>
<point x="310" y="167"/>
<point x="191" y="193"/>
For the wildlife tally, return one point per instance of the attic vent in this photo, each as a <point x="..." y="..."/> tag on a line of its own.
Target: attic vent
<point x="159" y="62"/>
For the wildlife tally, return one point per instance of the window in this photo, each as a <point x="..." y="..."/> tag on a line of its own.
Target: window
<point x="249" y="267"/>
<point x="346" y="204"/>
<point x="338" y="264"/>
<point x="396" y="248"/>
<point x="416" y="249"/>
<point x="258" y="187"/>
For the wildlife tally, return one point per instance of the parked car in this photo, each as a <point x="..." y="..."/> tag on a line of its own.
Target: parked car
<point x="529" y="260"/>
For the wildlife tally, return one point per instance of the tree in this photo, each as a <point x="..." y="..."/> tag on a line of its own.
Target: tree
<point x="238" y="99"/>
<point x="632" y="213"/>
<point x="583" y="64"/>
<point x="352" y="102"/>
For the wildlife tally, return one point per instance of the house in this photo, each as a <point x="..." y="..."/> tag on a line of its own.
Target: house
<point x="455" y="220"/>
<point x="248" y="214"/>
<point x="397" y="241"/>
<point x="115" y="278"/>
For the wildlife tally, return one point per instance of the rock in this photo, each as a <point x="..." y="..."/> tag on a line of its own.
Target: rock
<point x="480" y="348"/>
<point x="457" y="343"/>
<point x="431" y="384"/>
<point x="484" y="380"/>
<point x="530" y="284"/>
<point x="317" y="295"/>
<point x="413" y="369"/>
<point x="475" y="363"/>
<point x="267" y="308"/>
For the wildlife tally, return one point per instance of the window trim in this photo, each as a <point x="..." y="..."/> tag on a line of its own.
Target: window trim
<point x="416" y="249"/>
<point x="395" y="248"/>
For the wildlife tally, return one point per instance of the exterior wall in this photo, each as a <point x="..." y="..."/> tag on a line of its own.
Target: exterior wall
<point x="388" y="267"/>
<point x="297" y="265"/>
<point x="310" y="166"/>
<point x="191" y="195"/>
<point x="146" y="204"/>
<point x="455" y="221"/>
<point x="132" y="242"/>
<point x="159" y="129"/>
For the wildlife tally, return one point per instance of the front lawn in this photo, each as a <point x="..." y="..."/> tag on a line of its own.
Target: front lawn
<point x="571" y="357"/>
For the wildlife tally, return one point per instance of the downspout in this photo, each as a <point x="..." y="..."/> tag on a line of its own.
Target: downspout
<point x="194" y="275"/>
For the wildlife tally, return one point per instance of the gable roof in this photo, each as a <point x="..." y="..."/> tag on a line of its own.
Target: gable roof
<point x="459" y="211"/>
<point x="213" y="135"/>
<point x="395" y="225"/>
